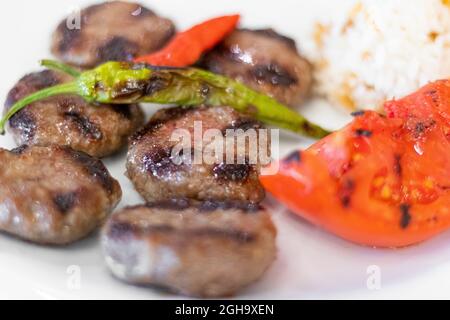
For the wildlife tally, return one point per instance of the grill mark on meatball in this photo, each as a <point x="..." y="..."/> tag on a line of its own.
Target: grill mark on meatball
<point x="232" y="172"/>
<point x="242" y="124"/>
<point x="123" y="109"/>
<point x="273" y="74"/>
<point x="117" y="49"/>
<point x="25" y="123"/>
<point x="100" y="39"/>
<point x="159" y="162"/>
<point x="150" y="127"/>
<point x="178" y="204"/>
<point x="95" y="168"/>
<point x="212" y="205"/>
<point x="155" y="123"/>
<point x="236" y="235"/>
<point x="150" y="157"/>
<point x="274" y="35"/>
<point x="123" y="230"/>
<point x="53" y="191"/>
<point x="264" y="61"/>
<point x="206" y="206"/>
<point x="84" y="125"/>
<point x="65" y="201"/>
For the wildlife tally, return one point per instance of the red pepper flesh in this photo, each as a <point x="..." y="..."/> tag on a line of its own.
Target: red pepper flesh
<point x="187" y="47"/>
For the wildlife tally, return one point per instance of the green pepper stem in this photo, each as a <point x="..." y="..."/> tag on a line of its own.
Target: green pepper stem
<point x="56" y="65"/>
<point x="66" y="88"/>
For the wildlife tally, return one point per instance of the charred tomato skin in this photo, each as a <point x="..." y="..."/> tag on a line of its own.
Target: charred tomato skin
<point x="380" y="181"/>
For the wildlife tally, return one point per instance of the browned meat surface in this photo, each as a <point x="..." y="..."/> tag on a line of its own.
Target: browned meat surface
<point x="69" y="120"/>
<point x="110" y="31"/>
<point x="158" y="175"/>
<point x="53" y="195"/>
<point x="207" y="249"/>
<point x="264" y="60"/>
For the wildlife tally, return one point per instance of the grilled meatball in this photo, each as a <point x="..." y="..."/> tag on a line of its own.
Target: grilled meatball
<point x="160" y="171"/>
<point x="264" y="60"/>
<point x="69" y="120"/>
<point x="53" y="195"/>
<point x="208" y="249"/>
<point x="110" y="31"/>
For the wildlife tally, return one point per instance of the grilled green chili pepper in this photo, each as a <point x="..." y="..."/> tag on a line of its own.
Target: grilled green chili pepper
<point x="125" y="83"/>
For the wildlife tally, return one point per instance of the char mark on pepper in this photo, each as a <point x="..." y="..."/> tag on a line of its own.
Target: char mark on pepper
<point x="157" y="83"/>
<point x="363" y="133"/>
<point x="293" y="157"/>
<point x="345" y="192"/>
<point x="358" y="113"/>
<point x="398" y="164"/>
<point x="405" y="215"/>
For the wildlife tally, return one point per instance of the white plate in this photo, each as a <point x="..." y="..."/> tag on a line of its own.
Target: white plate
<point x="310" y="263"/>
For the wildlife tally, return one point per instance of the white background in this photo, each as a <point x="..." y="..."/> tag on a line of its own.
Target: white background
<point x="310" y="263"/>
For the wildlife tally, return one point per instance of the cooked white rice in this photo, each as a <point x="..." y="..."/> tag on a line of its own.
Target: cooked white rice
<point x="381" y="49"/>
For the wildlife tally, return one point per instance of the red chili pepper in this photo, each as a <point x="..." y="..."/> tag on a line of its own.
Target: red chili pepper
<point x="379" y="181"/>
<point x="187" y="47"/>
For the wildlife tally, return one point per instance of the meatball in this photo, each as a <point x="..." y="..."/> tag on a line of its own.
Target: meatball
<point x="159" y="170"/>
<point x="208" y="249"/>
<point x="53" y="195"/>
<point x="264" y="60"/>
<point x="98" y="130"/>
<point x="110" y="31"/>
